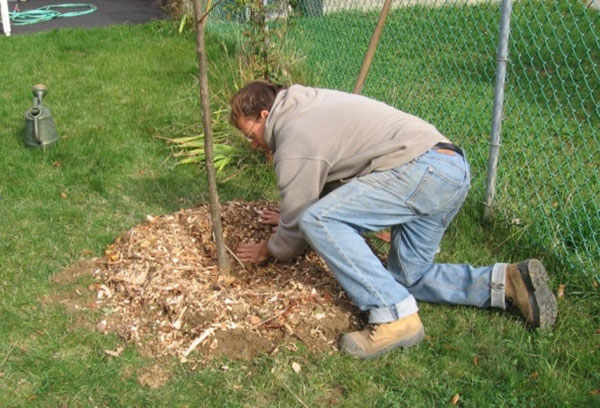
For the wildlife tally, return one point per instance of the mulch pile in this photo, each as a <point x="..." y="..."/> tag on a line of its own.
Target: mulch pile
<point x="158" y="287"/>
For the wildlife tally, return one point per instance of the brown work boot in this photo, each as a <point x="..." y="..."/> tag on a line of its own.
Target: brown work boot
<point x="527" y="289"/>
<point x="381" y="338"/>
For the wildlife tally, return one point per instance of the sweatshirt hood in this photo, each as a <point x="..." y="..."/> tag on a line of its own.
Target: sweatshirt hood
<point x="284" y="108"/>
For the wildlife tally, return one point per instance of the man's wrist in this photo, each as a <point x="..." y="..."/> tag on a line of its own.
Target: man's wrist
<point x="266" y="251"/>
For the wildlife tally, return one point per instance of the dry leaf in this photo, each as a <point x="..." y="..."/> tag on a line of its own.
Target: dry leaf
<point x="384" y="236"/>
<point x="101" y="326"/>
<point x="594" y="392"/>
<point x="153" y="377"/>
<point x="63" y="195"/>
<point x="296" y="367"/>
<point x="104" y="292"/>
<point x="327" y="297"/>
<point x="115" y="353"/>
<point x="56" y="163"/>
<point x="228" y="280"/>
<point x="113" y="257"/>
<point x="561" y="291"/>
<point x="455" y="399"/>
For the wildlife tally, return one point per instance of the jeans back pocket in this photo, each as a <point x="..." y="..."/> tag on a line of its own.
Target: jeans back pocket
<point x="436" y="192"/>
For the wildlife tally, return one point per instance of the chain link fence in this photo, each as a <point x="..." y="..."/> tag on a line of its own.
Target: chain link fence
<point x="437" y="59"/>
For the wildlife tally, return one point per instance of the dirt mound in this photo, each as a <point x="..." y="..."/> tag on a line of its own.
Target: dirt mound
<point x="158" y="286"/>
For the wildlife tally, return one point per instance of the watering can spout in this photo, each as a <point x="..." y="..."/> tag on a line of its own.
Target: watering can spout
<point x="39" y="91"/>
<point x="40" y="130"/>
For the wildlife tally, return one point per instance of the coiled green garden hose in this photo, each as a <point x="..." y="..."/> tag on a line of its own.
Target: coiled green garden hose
<point x="48" y="13"/>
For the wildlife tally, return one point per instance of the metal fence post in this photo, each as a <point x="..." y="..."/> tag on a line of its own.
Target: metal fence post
<point x="501" y="63"/>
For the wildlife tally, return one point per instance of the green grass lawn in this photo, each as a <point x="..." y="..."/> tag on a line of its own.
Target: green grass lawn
<point x="115" y="92"/>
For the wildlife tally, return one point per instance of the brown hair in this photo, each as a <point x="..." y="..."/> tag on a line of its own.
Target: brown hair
<point x="252" y="99"/>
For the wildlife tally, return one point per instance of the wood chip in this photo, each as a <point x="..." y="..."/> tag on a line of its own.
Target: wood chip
<point x="198" y="340"/>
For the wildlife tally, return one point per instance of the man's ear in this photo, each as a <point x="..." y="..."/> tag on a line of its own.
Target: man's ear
<point x="264" y="114"/>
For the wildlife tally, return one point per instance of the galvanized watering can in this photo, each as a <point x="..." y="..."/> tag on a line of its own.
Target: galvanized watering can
<point x="40" y="130"/>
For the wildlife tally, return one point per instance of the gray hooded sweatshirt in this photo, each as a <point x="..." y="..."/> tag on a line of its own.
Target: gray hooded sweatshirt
<point x="321" y="136"/>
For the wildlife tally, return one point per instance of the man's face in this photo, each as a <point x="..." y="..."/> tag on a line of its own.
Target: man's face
<point x="254" y="130"/>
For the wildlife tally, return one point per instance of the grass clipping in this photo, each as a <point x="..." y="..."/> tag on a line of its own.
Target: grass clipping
<point x="158" y="287"/>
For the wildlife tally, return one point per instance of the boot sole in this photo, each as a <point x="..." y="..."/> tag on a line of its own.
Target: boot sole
<point x="350" y="347"/>
<point x="541" y="297"/>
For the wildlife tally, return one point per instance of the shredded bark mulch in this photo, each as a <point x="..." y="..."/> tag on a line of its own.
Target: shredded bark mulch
<point x="158" y="286"/>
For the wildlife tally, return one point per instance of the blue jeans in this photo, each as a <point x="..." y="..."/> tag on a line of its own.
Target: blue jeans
<point x="417" y="200"/>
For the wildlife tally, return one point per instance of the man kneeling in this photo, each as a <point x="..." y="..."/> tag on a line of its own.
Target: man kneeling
<point x="390" y="169"/>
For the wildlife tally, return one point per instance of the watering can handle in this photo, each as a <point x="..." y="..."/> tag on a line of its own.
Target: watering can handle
<point x="39" y="91"/>
<point x="36" y="129"/>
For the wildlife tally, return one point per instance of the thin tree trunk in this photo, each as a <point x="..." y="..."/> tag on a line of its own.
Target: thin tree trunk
<point x="215" y="207"/>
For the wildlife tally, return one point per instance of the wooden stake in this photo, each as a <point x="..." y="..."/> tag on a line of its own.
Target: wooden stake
<point x="364" y="70"/>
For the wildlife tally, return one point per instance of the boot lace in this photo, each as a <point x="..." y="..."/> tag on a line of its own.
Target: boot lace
<point x="373" y="329"/>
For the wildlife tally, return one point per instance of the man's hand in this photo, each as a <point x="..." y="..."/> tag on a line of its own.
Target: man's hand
<point x="253" y="253"/>
<point x="270" y="217"/>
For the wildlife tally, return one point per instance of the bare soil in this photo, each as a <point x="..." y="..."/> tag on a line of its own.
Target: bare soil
<point x="158" y="287"/>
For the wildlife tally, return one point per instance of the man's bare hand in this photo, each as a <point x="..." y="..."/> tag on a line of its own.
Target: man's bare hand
<point x="253" y="253"/>
<point x="270" y="217"/>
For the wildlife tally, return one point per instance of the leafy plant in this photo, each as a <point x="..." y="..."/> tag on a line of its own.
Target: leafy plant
<point x="228" y="149"/>
<point x="191" y="150"/>
<point x="264" y="51"/>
